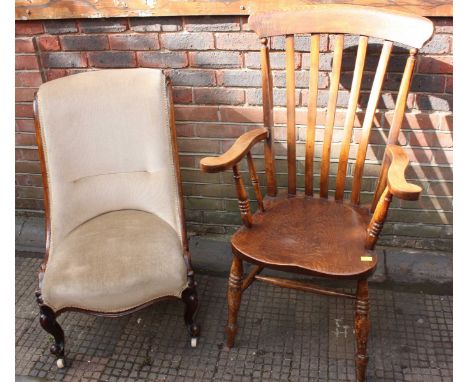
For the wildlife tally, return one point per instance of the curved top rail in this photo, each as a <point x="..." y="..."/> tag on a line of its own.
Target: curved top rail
<point x="395" y="26"/>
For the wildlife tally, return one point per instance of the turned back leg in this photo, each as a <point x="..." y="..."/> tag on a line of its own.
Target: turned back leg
<point x="190" y="299"/>
<point x="362" y="325"/>
<point x="234" y="299"/>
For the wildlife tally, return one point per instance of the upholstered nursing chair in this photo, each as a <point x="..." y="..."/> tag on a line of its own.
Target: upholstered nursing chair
<point x="307" y="230"/>
<point x="115" y="234"/>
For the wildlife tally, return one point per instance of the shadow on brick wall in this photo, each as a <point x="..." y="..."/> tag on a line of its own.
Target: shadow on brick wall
<point x="426" y="135"/>
<point x="426" y="132"/>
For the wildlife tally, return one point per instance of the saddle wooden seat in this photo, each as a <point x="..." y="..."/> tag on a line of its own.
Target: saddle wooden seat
<point x="310" y="235"/>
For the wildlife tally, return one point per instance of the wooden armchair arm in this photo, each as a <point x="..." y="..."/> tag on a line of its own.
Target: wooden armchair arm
<point x="396" y="181"/>
<point x="396" y="186"/>
<point x="239" y="149"/>
<point x="230" y="159"/>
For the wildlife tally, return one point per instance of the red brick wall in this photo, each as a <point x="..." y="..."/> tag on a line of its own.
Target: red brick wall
<point x="214" y="65"/>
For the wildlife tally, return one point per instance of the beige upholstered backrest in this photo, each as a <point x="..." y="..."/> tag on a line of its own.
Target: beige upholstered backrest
<point x="107" y="146"/>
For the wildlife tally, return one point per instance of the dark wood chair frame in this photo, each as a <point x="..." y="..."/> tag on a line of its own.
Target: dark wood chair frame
<point x="365" y="22"/>
<point x="48" y="317"/>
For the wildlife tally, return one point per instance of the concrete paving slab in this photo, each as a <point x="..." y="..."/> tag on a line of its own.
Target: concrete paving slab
<point x="31" y="236"/>
<point x="19" y="222"/>
<point x="211" y="253"/>
<point x="409" y="266"/>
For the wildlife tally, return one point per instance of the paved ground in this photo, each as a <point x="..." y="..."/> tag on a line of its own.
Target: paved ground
<point x="284" y="336"/>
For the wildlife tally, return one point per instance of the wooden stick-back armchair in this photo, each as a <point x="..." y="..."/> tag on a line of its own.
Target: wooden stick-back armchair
<point x="309" y="232"/>
<point x="115" y="232"/>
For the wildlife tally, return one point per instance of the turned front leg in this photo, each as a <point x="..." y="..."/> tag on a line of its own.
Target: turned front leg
<point x="48" y="321"/>
<point x="361" y="326"/>
<point x="234" y="299"/>
<point x="190" y="299"/>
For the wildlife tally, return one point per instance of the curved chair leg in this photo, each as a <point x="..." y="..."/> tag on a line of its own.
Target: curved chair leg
<point x="362" y="325"/>
<point x="190" y="298"/>
<point x="234" y="299"/>
<point x="48" y="320"/>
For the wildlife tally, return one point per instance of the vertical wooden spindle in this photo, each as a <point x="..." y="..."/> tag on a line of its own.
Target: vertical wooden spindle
<point x="369" y="120"/>
<point x="397" y="120"/>
<point x="243" y="200"/>
<point x="267" y="94"/>
<point x="378" y="219"/>
<point x="312" y="114"/>
<point x="330" y="121"/>
<point x="350" y="115"/>
<point x="255" y="182"/>
<point x="291" y="114"/>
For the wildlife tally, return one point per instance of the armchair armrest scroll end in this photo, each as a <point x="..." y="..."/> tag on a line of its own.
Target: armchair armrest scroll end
<point x="397" y="183"/>
<point x="210" y="165"/>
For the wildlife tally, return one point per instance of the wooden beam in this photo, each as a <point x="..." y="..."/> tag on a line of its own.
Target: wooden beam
<point x="66" y="9"/>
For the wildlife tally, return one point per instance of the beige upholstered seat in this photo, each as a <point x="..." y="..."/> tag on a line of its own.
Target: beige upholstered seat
<point x="115" y="262"/>
<point x="114" y="214"/>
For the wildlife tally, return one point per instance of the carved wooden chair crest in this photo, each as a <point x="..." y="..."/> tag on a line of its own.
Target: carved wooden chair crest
<point x="307" y="232"/>
<point x="116" y="239"/>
